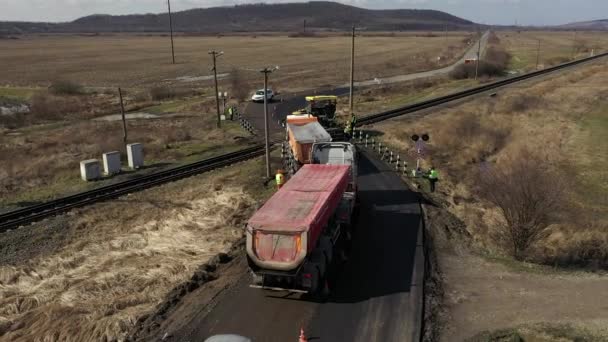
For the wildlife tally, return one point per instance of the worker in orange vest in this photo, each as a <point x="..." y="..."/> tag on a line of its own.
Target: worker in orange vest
<point x="280" y="178"/>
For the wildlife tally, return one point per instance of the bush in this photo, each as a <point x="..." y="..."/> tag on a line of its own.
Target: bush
<point x="494" y="64"/>
<point x="528" y="194"/>
<point x="523" y="102"/>
<point x="238" y="85"/>
<point x="45" y="107"/>
<point x="160" y="93"/>
<point x="486" y="69"/>
<point x="64" y="87"/>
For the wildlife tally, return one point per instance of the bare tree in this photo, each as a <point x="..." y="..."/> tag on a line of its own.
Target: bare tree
<point x="238" y="85"/>
<point x="529" y="194"/>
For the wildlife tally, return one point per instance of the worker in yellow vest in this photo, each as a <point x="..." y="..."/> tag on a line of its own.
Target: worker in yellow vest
<point x="433" y="178"/>
<point x="280" y="178"/>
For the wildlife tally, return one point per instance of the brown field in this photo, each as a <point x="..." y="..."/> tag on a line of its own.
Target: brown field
<point x="555" y="46"/>
<point x="105" y="266"/>
<point x="137" y="61"/>
<point x="42" y="151"/>
<point x="562" y="119"/>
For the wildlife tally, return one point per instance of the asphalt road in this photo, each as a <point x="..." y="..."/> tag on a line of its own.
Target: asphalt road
<point x="376" y="296"/>
<point x="285" y="104"/>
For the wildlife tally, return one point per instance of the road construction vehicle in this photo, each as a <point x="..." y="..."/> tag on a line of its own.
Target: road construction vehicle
<point x="299" y="235"/>
<point x="322" y="107"/>
<point x="302" y="131"/>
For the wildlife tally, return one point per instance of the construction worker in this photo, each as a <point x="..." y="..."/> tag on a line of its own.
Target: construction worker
<point x="433" y="178"/>
<point x="350" y="126"/>
<point x="231" y="112"/>
<point x="280" y="178"/>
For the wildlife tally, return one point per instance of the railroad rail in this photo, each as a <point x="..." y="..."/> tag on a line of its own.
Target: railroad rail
<point x="373" y="118"/>
<point x="38" y="212"/>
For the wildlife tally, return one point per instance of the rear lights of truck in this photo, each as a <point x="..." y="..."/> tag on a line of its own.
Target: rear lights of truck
<point x="277" y="247"/>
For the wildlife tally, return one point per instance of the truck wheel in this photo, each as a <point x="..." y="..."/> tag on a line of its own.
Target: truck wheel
<point x="326" y="246"/>
<point x="313" y="270"/>
<point x="320" y="261"/>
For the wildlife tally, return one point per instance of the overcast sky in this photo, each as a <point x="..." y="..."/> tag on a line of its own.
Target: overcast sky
<point x="505" y="12"/>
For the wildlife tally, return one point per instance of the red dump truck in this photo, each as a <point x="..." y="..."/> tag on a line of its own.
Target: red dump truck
<point x="293" y="239"/>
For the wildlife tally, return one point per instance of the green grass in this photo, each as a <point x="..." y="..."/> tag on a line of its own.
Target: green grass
<point x="19" y="93"/>
<point x="592" y="165"/>
<point x="172" y="106"/>
<point x="70" y="182"/>
<point x="396" y="99"/>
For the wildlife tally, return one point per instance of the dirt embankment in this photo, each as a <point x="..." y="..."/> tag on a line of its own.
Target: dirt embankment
<point x="108" y="267"/>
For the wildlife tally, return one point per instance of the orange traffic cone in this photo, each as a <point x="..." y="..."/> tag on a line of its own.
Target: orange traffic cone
<point x="302" y="336"/>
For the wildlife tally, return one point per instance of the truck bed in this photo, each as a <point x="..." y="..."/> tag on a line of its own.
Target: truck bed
<point x="305" y="203"/>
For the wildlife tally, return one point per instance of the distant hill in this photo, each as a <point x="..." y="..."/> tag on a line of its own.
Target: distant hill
<point x="319" y="15"/>
<point x="588" y="25"/>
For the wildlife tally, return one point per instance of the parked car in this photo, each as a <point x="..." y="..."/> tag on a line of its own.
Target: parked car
<point x="259" y="95"/>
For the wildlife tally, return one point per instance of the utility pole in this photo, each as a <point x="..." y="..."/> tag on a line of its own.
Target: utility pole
<point x="538" y="54"/>
<point x="478" y="53"/>
<point x="267" y="71"/>
<point x="574" y="45"/>
<point x="171" y="29"/>
<point x="352" y="73"/>
<point x="124" y="120"/>
<point x="304" y="25"/>
<point x="215" y="55"/>
<point x="445" y="31"/>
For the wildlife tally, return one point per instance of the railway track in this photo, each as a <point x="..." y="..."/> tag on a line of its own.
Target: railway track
<point x="38" y="212"/>
<point x="370" y="119"/>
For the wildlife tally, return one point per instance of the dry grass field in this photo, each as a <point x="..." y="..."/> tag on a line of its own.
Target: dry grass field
<point x="563" y="121"/>
<point x="555" y="46"/>
<point x="136" y="61"/>
<point x="40" y="151"/>
<point x="551" y="295"/>
<point x="109" y="264"/>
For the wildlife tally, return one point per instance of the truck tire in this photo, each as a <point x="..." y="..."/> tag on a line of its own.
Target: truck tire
<point x="312" y="269"/>
<point x="319" y="259"/>
<point x="326" y="246"/>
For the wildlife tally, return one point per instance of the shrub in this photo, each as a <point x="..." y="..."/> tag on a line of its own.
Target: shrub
<point x="493" y="38"/>
<point x="494" y="64"/>
<point x="160" y="93"/>
<point x="45" y="107"/>
<point x="486" y="69"/>
<point x="238" y="85"/>
<point x="65" y="87"/>
<point x="522" y="102"/>
<point x="528" y="194"/>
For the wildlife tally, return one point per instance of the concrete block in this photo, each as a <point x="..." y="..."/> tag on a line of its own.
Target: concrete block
<point x="135" y="155"/>
<point x="89" y="169"/>
<point x="111" y="163"/>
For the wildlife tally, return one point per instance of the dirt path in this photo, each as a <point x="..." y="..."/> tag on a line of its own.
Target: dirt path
<point x="483" y="294"/>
